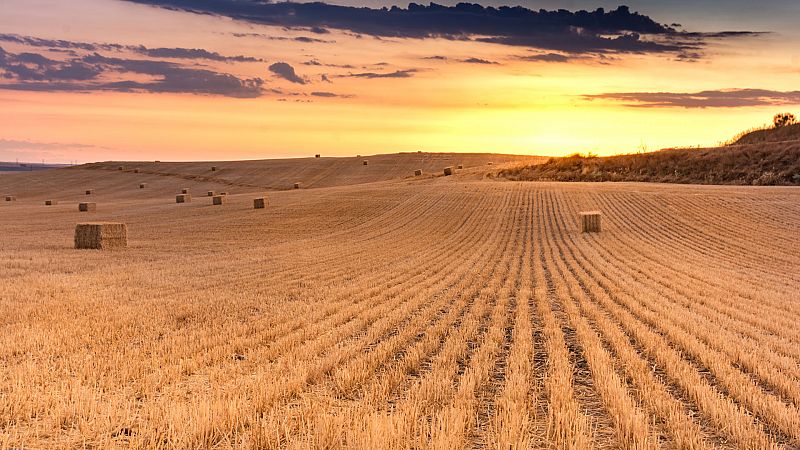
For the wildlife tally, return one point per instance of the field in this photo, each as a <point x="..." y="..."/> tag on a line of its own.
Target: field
<point x="392" y="311"/>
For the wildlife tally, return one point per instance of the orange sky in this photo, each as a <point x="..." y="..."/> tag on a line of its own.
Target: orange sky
<point x="513" y="106"/>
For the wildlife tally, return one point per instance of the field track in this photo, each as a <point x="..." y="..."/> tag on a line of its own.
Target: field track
<point x="442" y="312"/>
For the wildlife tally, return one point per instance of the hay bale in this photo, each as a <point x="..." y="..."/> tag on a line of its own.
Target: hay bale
<point x="218" y="199"/>
<point x="297" y="185"/>
<point x="185" y="191"/>
<point x="490" y="163"/>
<point x="89" y="191"/>
<point x="260" y="203"/>
<point x="50" y="202"/>
<point x="418" y="172"/>
<point x="448" y="171"/>
<point x="142" y="185"/>
<point x="10" y="198"/>
<point x="460" y="167"/>
<point x="223" y="193"/>
<point x="590" y="221"/>
<point x="317" y="155"/>
<point x="135" y="170"/>
<point x="87" y="206"/>
<point x="183" y="198"/>
<point x="210" y="193"/>
<point x="366" y="162"/>
<point x="101" y="235"/>
<point x="120" y="168"/>
<point x="213" y="168"/>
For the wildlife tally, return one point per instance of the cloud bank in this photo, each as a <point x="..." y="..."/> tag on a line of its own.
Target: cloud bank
<point x="723" y="98"/>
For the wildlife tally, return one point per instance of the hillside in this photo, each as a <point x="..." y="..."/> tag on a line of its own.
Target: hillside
<point x="242" y="176"/>
<point x="776" y="163"/>
<point x="771" y="134"/>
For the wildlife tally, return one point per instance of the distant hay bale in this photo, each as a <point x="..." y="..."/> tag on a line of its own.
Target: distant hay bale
<point x="213" y="168"/>
<point x="460" y="167"/>
<point x="218" y="199"/>
<point x="210" y="193"/>
<point x="590" y="221"/>
<point x="10" y="198"/>
<point x="366" y="162"/>
<point x="142" y="185"/>
<point x="87" y="206"/>
<point x="158" y="161"/>
<point x="50" y="202"/>
<point x="89" y="191"/>
<point x="135" y="170"/>
<point x="259" y="203"/>
<point x="317" y="155"/>
<point x="185" y="191"/>
<point x="183" y="198"/>
<point x="101" y="235"/>
<point x="297" y="185"/>
<point x="418" y="172"/>
<point x="358" y="156"/>
<point x="223" y="193"/>
<point x="120" y="168"/>
<point x="490" y="163"/>
<point x="448" y="171"/>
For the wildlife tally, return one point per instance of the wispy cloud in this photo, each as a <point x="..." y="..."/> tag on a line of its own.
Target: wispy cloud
<point x="408" y="73"/>
<point x="723" y="98"/>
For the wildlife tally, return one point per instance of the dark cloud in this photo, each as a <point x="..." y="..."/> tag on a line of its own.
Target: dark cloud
<point x="315" y="62"/>
<point x="33" y="72"/>
<point x="69" y="47"/>
<point x="478" y="61"/>
<point x="286" y="72"/>
<point x="191" y="53"/>
<point x="548" y="57"/>
<point x="619" y="30"/>
<point x="325" y="78"/>
<point x="726" y="98"/>
<point x="323" y="94"/>
<point x="304" y="39"/>
<point x="436" y="57"/>
<point x="396" y="74"/>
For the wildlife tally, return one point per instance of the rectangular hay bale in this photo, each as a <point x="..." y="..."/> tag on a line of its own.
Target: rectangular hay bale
<point x="591" y="221"/>
<point x="50" y="202"/>
<point x="213" y="168"/>
<point x="89" y="191"/>
<point x="417" y="172"/>
<point x="260" y="203"/>
<point x="448" y="171"/>
<point x="183" y="198"/>
<point x="185" y="191"/>
<point x="87" y="206"/>
<point x="101" y="235"/>
<point x="297" y="185"/>
<point x="142" y="185"/>
<point x="218" y="199"/>
<point x="460" y="167"/>
<point x="366" y="162"/>
<point x="10" y="198"/>
<point x="210" y="193"/>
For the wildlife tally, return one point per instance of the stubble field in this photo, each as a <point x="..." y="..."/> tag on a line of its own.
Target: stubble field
<point x="430" y="312"/>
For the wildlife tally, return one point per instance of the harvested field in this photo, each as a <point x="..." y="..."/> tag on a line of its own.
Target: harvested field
<point x="411" y="313"/>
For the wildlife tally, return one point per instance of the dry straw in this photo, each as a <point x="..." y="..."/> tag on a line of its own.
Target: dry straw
<point x="590" y="221"/>
<point x="87" y="206"/>
<point x="101" y="235"/>
<point x="448" y="171"/>
<point x="183" y="198"/>
<point x="50" y="202"/>
<point x="218" y="199"/>
<point x="418" y="172"/>
<point x="259" y="203"/>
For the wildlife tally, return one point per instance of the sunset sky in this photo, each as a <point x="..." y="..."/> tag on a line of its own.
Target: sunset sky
<point x="94" y="80"/>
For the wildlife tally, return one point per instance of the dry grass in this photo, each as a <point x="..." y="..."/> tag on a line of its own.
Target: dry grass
<point x="419" y="313"/>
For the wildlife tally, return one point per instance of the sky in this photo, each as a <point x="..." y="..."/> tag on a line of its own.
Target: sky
<point x="91" y="80"/>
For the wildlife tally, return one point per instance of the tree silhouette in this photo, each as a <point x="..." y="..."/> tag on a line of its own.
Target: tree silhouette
<point x="784" y="119"/>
